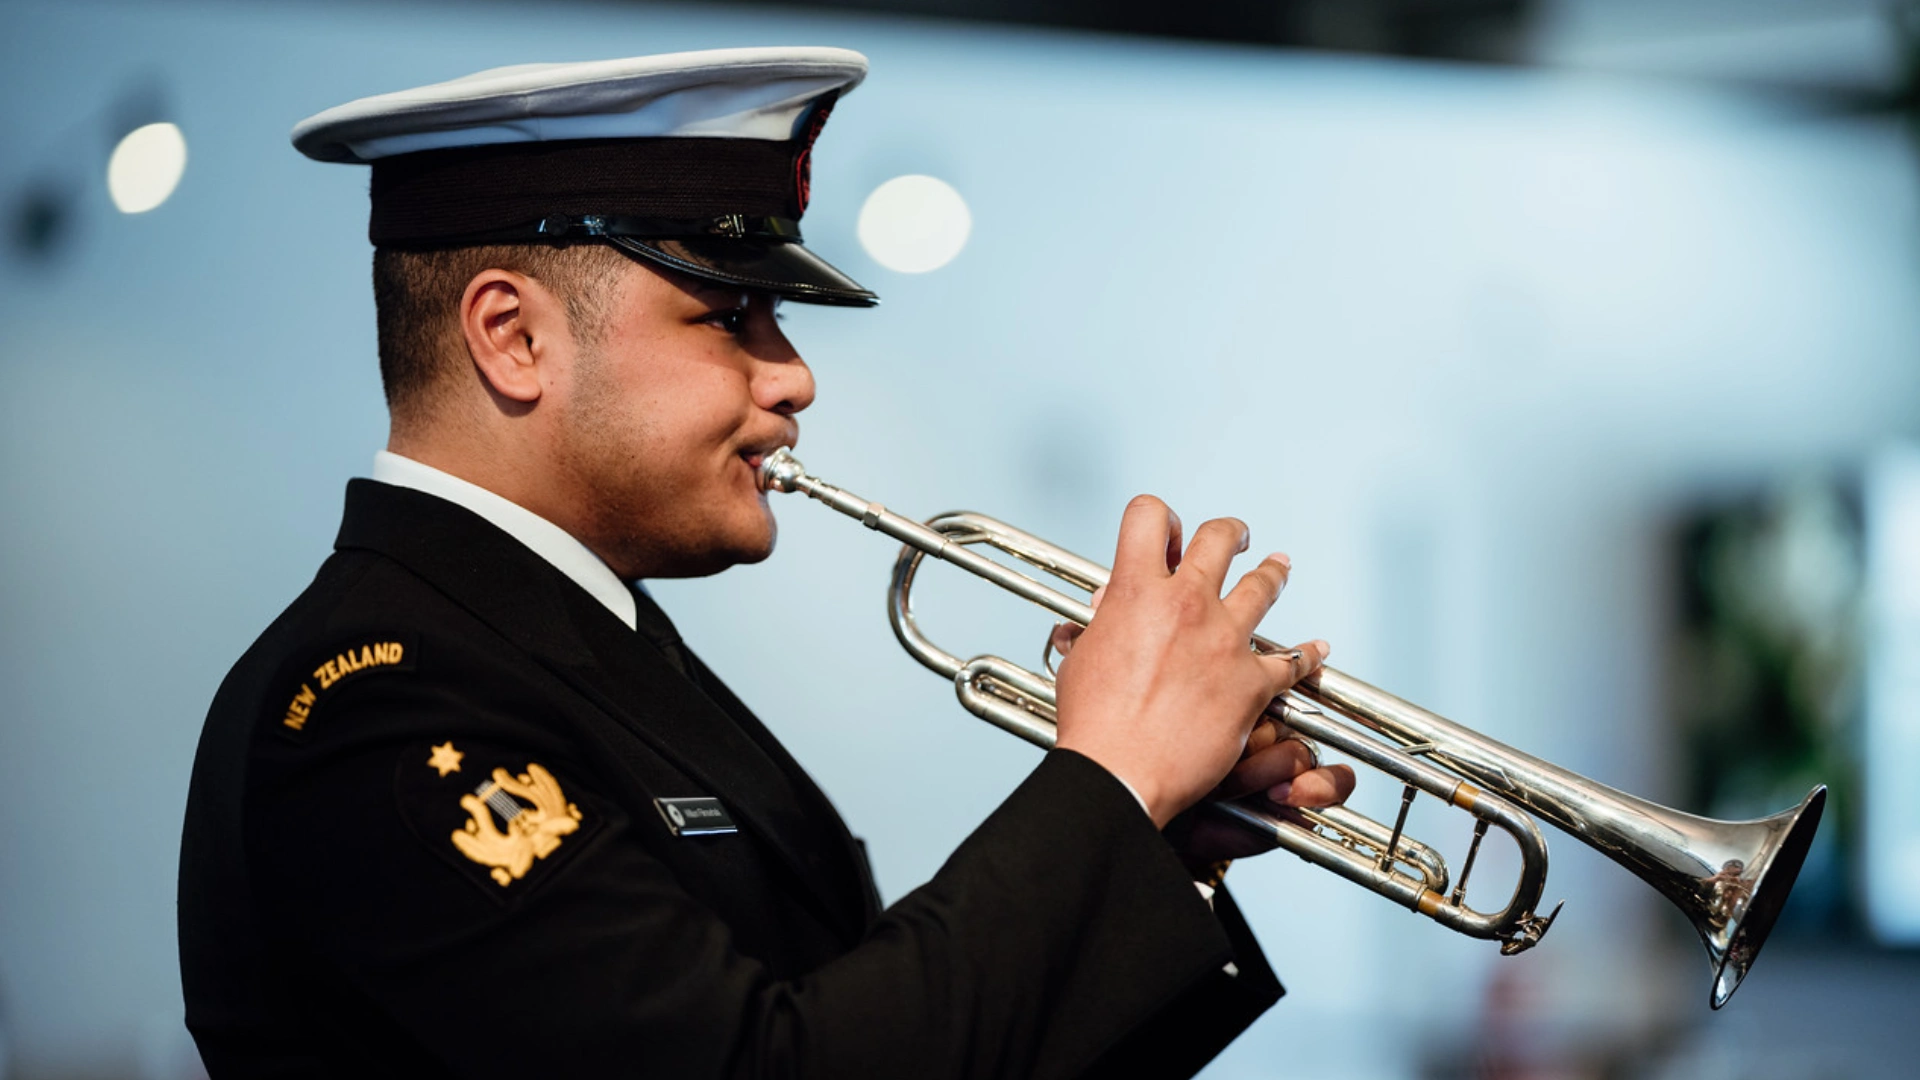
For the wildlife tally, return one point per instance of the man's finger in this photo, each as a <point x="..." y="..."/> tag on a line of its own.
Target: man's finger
<point x="1063" y="636"/>
<point x="1289" y="666"/>
<point x="1147" y="530"/>
<point x="1328" y="785"/>
<point x="1215" y="543"/>
<point x="1257" y="590"/>
<point x="1266" y="732"/>
<point x="1276" y="764"/>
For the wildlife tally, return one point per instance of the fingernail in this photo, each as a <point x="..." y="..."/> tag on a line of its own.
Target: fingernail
<point x="1324" y="647"/>
<point x="1281" y="558"/>
<point x="1279" y="792"/>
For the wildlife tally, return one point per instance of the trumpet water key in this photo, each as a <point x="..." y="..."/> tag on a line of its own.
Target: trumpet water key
<point x="1730" y="878"/>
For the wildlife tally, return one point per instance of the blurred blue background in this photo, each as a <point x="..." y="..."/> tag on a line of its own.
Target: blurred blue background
<point x="1477" y="340"/>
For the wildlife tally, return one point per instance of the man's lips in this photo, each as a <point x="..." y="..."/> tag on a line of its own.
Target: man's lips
<point x="753" y="460"/>
<point x="754" y="455"/>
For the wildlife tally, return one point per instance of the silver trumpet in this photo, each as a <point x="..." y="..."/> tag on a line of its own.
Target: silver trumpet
<point x="1730" y="878"/>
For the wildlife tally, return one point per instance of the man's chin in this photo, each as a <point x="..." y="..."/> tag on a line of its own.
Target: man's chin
<point x="734" y="551"/>
<point x="762" y="550"/>
<point x="756" y="553"/>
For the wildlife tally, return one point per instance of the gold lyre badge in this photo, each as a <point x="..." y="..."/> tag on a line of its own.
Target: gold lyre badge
<point x="532" y="831"/>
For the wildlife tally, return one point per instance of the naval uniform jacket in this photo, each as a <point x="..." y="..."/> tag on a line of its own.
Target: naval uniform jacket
<point x="422" y="839"/>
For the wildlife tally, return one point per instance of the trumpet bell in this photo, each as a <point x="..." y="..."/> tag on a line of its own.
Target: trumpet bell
<point x="1734" y="909"/>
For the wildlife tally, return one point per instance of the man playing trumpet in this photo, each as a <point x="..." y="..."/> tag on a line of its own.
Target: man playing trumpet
<point x="517" y="827"/>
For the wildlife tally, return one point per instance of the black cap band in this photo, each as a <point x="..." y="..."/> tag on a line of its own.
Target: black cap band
<point x="501" y="193"/>
<point x="723" y="209"/>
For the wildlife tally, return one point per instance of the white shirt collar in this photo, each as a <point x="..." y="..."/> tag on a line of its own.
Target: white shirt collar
<point x="547" y="540"/>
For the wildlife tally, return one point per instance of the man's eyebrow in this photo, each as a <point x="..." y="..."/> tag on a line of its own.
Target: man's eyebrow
<point x="715" y="292"/>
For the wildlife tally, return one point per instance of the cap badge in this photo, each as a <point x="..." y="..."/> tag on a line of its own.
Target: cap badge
<point x="514" y="820"/>
<point x="803" y="162"/>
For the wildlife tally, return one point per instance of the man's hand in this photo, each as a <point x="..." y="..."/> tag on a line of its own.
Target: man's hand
<point x="1161" y="688"/>
<point x="1278" y="771"/>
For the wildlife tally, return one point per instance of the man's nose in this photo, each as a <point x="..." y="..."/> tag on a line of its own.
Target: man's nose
<point x="785" y="387"/>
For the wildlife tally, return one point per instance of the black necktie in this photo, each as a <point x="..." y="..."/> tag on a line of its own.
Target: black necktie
<point x="652" y="624"/>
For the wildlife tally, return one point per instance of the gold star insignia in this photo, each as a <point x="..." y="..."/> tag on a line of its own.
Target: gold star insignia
<point x="445" y="758"/>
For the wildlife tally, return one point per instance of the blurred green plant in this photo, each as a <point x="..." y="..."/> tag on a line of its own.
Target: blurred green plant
<point x="1768" y="674"/>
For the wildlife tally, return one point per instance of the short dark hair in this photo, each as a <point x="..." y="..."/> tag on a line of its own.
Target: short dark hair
<point x="416" y="299"/>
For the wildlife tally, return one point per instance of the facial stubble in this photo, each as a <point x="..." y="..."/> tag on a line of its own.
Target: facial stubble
<point x="635" y="518"/>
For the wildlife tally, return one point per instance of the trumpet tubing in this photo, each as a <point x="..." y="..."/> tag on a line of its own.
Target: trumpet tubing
<point x="1729" y="878"/>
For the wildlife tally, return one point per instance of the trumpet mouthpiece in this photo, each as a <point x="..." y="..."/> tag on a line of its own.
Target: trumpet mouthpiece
<point x="781" y="471"/>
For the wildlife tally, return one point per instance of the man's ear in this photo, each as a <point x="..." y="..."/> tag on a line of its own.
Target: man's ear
<point x="510" y="322"/>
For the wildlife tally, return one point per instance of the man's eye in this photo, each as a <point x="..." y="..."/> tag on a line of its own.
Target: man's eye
<point x="732" y="320"/>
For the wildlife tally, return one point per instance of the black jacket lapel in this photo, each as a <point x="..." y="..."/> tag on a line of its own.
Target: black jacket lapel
<point x="821" y="809"/>
<point x="531" y="603"/>
<point x="728" y="750"/>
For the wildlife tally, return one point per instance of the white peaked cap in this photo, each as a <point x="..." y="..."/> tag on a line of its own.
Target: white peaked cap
<point x="698" y="162"/>
<point x="759" y="93"/>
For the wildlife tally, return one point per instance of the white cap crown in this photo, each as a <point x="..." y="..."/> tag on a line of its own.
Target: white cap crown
<point x="761" y="93"/>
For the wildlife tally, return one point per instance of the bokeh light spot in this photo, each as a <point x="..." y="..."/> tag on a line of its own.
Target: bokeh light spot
<point x="146" y="167"/>
<point x="914" y="224"/>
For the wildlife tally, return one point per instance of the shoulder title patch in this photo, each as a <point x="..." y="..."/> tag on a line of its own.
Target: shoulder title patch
<point x="370" y="652"/>
<point x="496" y="816"/>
